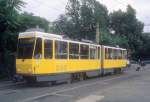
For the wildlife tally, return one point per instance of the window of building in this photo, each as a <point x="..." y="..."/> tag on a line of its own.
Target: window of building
<point x="61" y="51"/>
<point x="93" y="52"/>
<point x="73" y="51"/>
<point x="38" y="49"/>
<point x="84" y="51"/>
<point x="48" y="49"/>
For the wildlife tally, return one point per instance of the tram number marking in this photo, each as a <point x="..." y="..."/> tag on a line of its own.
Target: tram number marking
<point x="61" y="68"/>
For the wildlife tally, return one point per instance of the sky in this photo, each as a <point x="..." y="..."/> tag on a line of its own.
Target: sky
<point x="51" y="9"/>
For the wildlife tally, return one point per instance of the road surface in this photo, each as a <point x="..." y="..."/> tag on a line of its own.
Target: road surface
<point x="131" y="86"/>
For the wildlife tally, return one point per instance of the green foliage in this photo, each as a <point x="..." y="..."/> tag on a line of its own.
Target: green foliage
<point x="11" y="23"/>
<point x="8" y="20"/>
<point x="8" y="24"/>
<point x="81" y="18"/>
<point x="27" y="21"/>
<point x="125" y="24"/>
<point x="114" y="40"/>
<point x="143" y="52"/>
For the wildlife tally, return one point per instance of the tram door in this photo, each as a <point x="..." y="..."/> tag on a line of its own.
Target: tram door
<point x="102" y="51"/>
<point x="61" y="55"/>
<point x="38" y="53"/>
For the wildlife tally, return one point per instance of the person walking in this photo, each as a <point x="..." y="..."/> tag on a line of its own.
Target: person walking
<point x="139" y="65"/>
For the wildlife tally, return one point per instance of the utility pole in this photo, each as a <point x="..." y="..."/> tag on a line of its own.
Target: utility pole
<point x="97" y="33"/>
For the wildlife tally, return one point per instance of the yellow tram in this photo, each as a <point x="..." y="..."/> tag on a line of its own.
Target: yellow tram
<point x="49" y="57"/>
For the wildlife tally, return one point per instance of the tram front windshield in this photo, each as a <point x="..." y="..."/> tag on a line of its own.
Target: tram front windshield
<point x="25" y="48"/>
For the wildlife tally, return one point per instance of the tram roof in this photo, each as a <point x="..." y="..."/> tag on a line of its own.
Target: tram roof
<point x="50" y="36"/>
<point x="58" y="37"/>
<point x="39" y="34"/>
<point x="118" y="48"/>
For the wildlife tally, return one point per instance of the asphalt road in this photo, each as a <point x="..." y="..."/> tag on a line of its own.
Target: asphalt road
<point x="131" y="86"/>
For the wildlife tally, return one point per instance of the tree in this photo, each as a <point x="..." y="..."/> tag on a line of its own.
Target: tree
<point x="126" y="24"/>
<point x="73" y="14"/>
<point x="11" y="23"/>
<point x="63" y="26"/>
<point x="93" y="12"/>
<point x="8" y="19"/>
<point x="8" y="23"/>
<point x="143" y="53"/>
<point x="81" y="18"/>
<point x="28" y="20"/>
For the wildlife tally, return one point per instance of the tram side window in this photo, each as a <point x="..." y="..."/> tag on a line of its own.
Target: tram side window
<point x="61" y="50"/>
<point x="38" y="49"/>
<point x="93" y="53"/>
<point x="115" y="54"/>
<point x="124" y="54"/>
<point x="119" y="54"/>
<point x="110" y="53"/>
<point x="99" y="53"/>
<point x="48" y="51"/>
<point x="73" y="51"/>
<point x="106" y="53"/>
<point x="84" y="51"/>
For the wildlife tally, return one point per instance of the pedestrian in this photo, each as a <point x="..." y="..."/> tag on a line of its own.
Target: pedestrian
<point x="139" y="65"/>
<point x="143" y="65"/>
